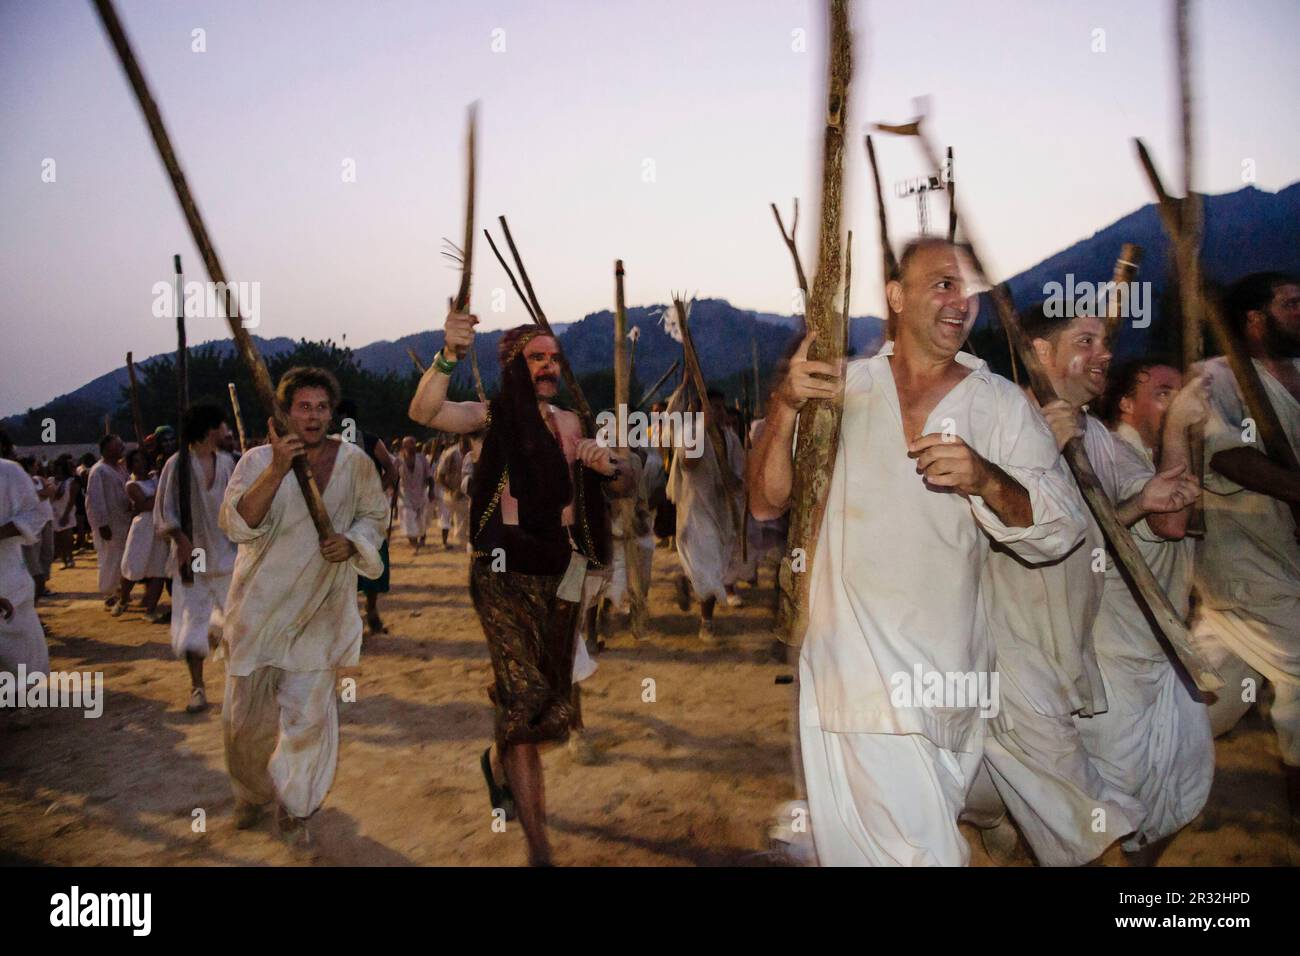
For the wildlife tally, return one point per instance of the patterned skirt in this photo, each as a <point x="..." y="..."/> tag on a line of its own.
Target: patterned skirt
<point x="529" y="634"/>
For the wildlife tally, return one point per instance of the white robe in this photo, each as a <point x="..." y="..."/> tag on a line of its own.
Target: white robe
<point x="146" y="554"/>
<point x="896" y="585"/>
<point x="108" y="505"/>
<point x="454" y="507"/>
<point x="1154" y="740"/>
<point x="291" y="622"/>
<point x="197" y="608"/>
<point x="708" y="542"/>
<point x="1041" y="618"/>
<point x="413" y="497"/>
<point x="1248" y="566"/>
<point x="21" y="639"/>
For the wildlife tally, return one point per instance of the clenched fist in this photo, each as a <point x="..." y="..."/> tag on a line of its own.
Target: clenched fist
<point x="948" y="462"/>
<point x="807" y="378"/>
<point x="459" y="335"/>
<point x="596" y="457"/>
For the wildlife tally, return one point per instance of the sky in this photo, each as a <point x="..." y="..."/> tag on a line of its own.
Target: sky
<point x="656" y="132"/>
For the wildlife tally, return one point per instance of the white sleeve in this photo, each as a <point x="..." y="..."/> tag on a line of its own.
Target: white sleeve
<point x="247" y="471"/>
<point x="370" y="522"/>
<point x="20" y="505"/>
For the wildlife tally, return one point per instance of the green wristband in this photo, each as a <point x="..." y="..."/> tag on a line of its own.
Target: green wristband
<point x="442" y="365"/>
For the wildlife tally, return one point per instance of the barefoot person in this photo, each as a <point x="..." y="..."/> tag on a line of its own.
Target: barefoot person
<point x="198" y="607"/>
<point x="291" y="619"/>
<point x="537" y="520"/>
<point x="937" y="456"/>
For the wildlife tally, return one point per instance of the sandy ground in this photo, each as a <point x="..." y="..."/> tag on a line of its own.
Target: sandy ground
<point x="693" y="776"/>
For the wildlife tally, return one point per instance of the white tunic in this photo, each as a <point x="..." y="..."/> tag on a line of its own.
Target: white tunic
<point x="288" y="607"/>
<point x="1248" y="563"/>
<point x="205" y="511"/>
<point x="708" y="542"/>
<point x="414" y="495"/>
<point x="21" y="639"/>
<point x="896" y="578"/>
<point x="1154" y="741"/>
<point x="146" y="554"/>
<point x="108" y="505"/>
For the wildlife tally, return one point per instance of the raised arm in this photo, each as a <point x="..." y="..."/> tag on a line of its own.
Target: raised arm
<point x="429" y="406"/>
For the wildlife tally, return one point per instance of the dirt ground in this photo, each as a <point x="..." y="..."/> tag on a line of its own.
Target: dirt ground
<point x="692" y="777"/>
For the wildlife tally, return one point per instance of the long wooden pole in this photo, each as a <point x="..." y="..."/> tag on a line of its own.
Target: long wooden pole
<point x="819" y="421"/>
<point x="461" y="302"/>
<point x="137" y="420"/>
<point x="1126" y="268"/>
<point x="790" y="244"/>
<point x="1167" y="620"/>
<point x="1258" y="406"/>
<point x="415" y="360"/>
<point x="625" y="507"/>
<point x="952" y="199"/>
<point x="889" y="264"/>
<point x="243" y="342"/>
<point x="650" y="392"/>
<point x="239" y="417"/>
<point x="183" y="480"/>
<point x="566" y="371"/>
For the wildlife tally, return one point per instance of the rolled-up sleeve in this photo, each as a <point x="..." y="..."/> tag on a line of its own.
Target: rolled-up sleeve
<point x="370" y="523"/>
<point x="247" y="471"/>
<point x="1026" y="451"/>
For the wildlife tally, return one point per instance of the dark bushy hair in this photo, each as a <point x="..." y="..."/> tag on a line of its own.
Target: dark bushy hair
<point x="104" y="442"/>
<point x="1123" y="382"/>
<point x="1252" y="293"/>
<point x="1037" y="324"/>
<point x="304" y="376"/>
<point x="198" y="421"/>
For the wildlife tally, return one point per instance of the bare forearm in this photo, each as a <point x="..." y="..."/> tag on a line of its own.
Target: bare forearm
<point x="1254" y="470"/>
<point x="1008" y="499"/>
<point x="429" y="397"/>
<point x="770" y="471"/>
<point x="256" y="503"/>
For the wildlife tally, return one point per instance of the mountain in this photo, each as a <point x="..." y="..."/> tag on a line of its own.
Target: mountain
<point x="1245" y="231"/>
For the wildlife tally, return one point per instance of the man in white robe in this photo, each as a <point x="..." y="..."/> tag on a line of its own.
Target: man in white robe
<point x="1248" y="563"/>
<point x="449" y="478"/>
<point x="23" y="651"/>
<point x="198" y="606"/>
<point x="291" y="619"/>
<point x="108" y="509"/>
<point x="937" y="456"/>
<point x="413" y="488"/>
<point x="1153" y="742"/>
<point x="708" y="536"/>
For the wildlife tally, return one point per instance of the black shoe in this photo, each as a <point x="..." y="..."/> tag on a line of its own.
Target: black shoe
<point x="499" y="794"/>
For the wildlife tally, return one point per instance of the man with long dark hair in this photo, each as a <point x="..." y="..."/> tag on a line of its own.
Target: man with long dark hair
<point x="537" y="519"/>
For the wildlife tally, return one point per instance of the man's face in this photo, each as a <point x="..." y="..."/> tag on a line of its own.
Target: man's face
<point x="310" y="411"/>
<point x="935" y="299"/>
<point x="543" y="358"/>
<point x="1282" y="322"/>
<point x="1145" y="409"/>
<point x="408" y="446"/>
<point x="113" y="451"/>
<point x="167" y="444"/>
<point x="1078" y="362"/>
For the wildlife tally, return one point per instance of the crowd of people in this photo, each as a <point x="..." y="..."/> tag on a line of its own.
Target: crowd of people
<point x="955" y="542"/>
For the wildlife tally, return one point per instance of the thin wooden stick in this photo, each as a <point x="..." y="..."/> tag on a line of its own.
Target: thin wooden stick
<point x="889" y="264"/>
<point x="183" y="565"/>
<point x="243" y="342"/>
<point x="1126" y="268"/>
<point x="513" y="281"/>
<point x="952" y="200"/>
<point x="415" y="360"/>
<point x="650" y="392"/>
<point x="1258" y="406"/>
<point x="137" y="420"/>
<point x="570" y="380"/>
<point x="239" y="418"/>
<point x="819" y="419"/>
<point x="790" y="244"/>
<point x="1168" y="622"/>
<point x="461" y="302"/>
<point x="625" y="507"/>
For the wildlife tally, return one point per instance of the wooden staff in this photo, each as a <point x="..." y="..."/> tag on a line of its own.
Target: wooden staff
<point x="243" y="342"/>
<point x="625" y="507"/>
<point x="1126" y="268"/>
<point x="1258" y="406"/>
<point x="889" y="264"/>
<point x="817" y="432"/>
<point x="415" y="360"/>
<point x="650" y="393"/>
<point x="137" y="419"/>
<point x="1162" y="613"/>
<point x="461" y="302"/>
<point x="239" y="418"/>
<point x="716" y="438"/>
<point x="758" y="391"/>
<point x="183" y="480"/>
<point x="952" y="199"/>
<point x="539" y="317"/>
